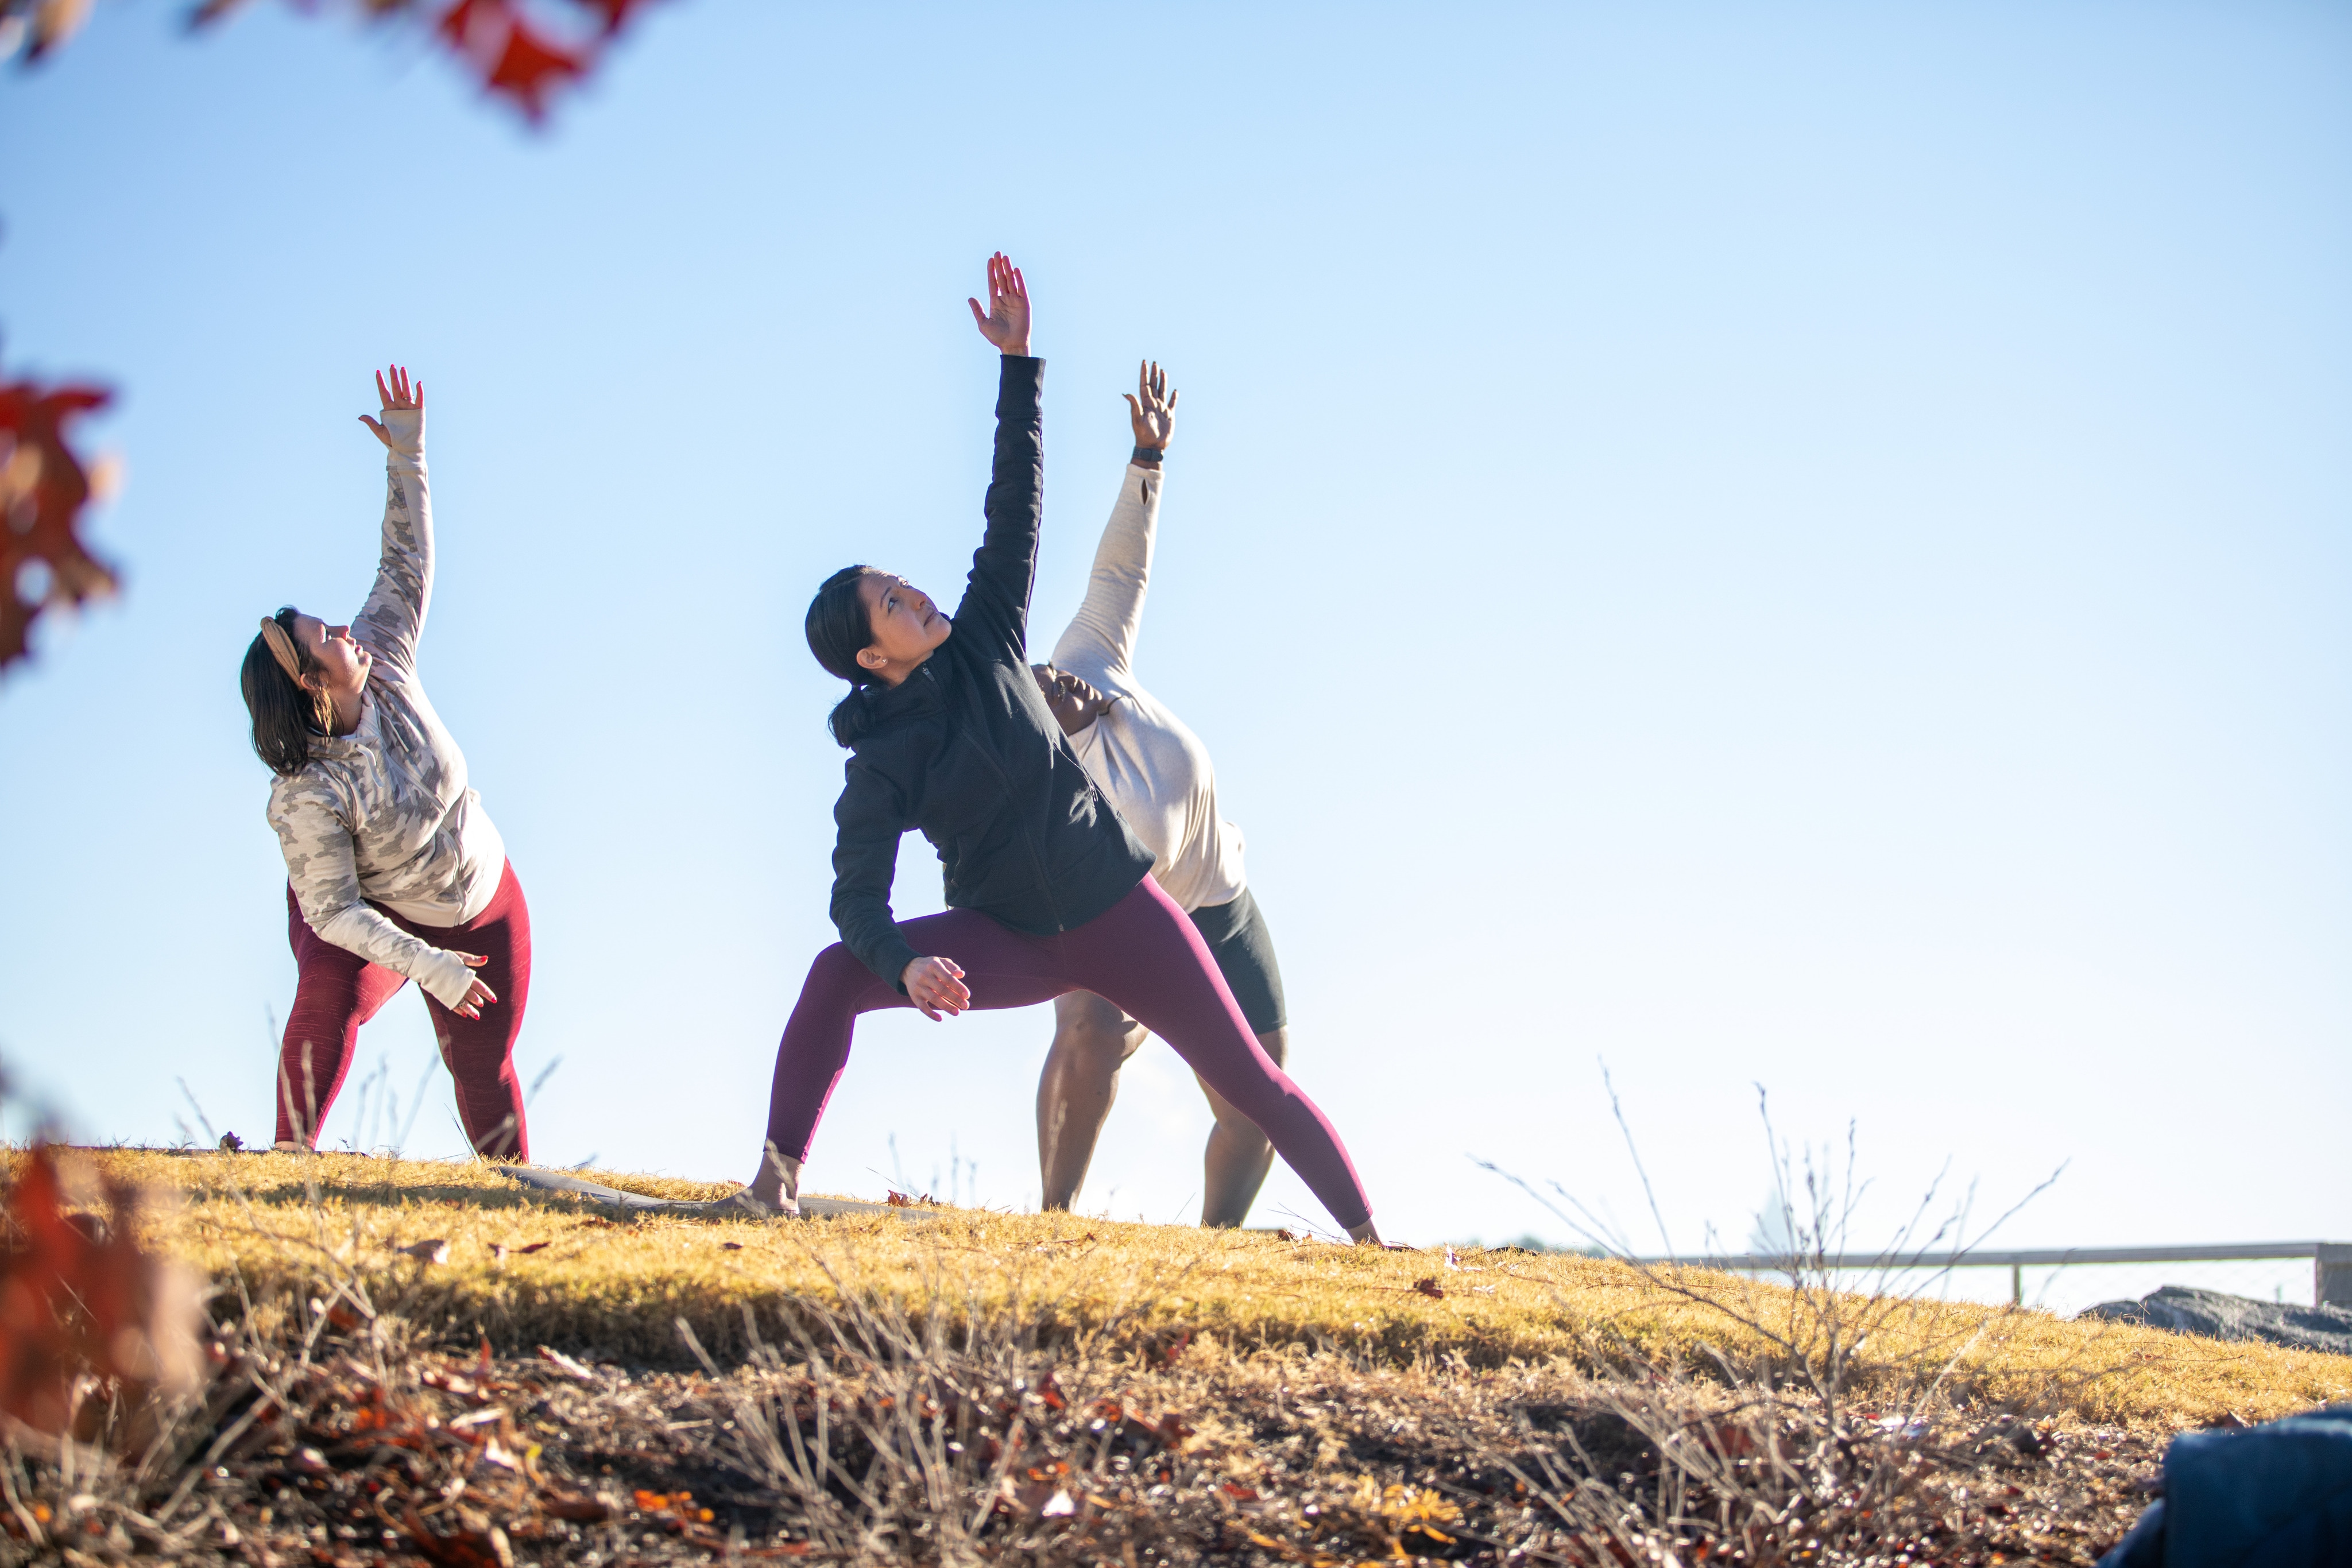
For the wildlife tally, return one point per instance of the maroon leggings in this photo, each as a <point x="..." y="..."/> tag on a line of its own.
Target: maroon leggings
<point x="1142" y="953"/>
<point x="339" y="991"/>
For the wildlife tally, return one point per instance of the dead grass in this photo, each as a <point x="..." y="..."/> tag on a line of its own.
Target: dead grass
<point x="283" y="1229"/>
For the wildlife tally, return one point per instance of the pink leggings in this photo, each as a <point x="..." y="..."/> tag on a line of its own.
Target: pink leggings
<point x="1142" y="953"/>
<point x="339" y="991"/>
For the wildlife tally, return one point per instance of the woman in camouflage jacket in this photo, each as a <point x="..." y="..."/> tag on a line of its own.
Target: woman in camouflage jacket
<point x="395" y="873"/>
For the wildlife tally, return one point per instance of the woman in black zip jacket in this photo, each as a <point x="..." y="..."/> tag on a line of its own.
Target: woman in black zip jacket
<point x="1047" y="890"/>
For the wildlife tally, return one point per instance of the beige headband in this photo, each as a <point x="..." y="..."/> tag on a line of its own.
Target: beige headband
<point x="281" y="648"/>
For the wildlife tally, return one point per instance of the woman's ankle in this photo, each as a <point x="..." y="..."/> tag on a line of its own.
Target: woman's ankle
<point x="778" y="1185"/>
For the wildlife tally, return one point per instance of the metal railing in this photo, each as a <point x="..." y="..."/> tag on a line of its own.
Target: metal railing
<point x="2331" y="1262"/>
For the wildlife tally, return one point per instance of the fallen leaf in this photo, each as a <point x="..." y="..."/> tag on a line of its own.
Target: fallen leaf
<point x="566" y="1364"/>
<point x="1430" y="1287"/>
<point x="577" y="1508"/>
<point x="461" y="1548"/>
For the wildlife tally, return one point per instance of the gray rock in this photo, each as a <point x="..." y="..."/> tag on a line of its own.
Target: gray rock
<point x="2218" y="1316"/>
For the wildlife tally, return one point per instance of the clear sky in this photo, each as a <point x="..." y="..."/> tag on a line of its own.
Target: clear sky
<point x="1803" y="545"/>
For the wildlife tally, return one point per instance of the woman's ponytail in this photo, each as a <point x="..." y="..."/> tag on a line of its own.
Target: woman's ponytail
<point x="840" y="627"/>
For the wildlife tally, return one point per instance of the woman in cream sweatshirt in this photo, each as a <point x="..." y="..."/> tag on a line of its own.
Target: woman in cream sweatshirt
<point x="1159" y="775"/>
<point x="395" y="873"/>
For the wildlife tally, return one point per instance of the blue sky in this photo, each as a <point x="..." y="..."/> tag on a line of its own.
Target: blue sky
<point x="1803" y="548"/>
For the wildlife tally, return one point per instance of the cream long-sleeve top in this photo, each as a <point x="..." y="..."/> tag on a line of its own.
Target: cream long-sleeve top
<point x="1155" y="770"/>
<point x="384" y="814"/>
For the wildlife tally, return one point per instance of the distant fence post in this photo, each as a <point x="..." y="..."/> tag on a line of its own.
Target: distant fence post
<point x="2331" y="1275"/>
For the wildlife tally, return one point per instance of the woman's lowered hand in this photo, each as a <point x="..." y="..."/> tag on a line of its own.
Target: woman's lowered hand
<point x="936" y="987"/>
<point x="395" y="394"/>
<point x="1151" y="407"/>
<point x="478" y="995"/>
<point x="1006" y="322"/>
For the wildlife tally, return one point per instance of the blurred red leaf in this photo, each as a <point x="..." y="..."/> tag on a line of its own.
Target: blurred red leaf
<point x="460" y="1548"/>
<point x="513" y="57"/>
<point x="79" y="1296"/>
<point x="576" y="1507"/>
<point x="1430" y="1287"/>
<point x="43" y="489"/>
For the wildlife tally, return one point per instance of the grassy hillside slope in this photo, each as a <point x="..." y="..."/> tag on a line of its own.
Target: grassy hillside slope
<point x="523" y="1270"/>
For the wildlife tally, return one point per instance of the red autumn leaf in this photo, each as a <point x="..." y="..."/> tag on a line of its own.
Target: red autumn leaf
<point x="80" y="1297"/>
<point x="513" y="57"/>
<point x="459" y="1549"/>
<point x="577" y="1507"/>
<point x="1430" y="1287"/>
<point x="43" y="489"/>
<point x="1732" y="1442"/>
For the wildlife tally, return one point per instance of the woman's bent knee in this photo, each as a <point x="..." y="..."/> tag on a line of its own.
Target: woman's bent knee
<point x="1093" y="1035"/>
<point x="837" y="973"/>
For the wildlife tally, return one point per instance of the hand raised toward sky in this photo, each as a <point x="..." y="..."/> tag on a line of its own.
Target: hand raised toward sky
<point x="1151" y="407"/>
<point x="397" y="394"/>
<point x="1006" y="322"/>
<point x="936" y="986"/>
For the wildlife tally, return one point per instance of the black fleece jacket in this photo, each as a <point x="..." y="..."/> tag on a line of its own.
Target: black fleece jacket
<point x="965" y="750"/>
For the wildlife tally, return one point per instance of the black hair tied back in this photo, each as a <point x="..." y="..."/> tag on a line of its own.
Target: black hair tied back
<point x="839" y="629"/>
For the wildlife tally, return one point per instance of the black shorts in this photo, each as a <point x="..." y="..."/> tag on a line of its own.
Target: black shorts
<point x="1244" y="949"/>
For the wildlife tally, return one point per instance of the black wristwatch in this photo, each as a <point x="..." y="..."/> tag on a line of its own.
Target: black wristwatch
<point x="1147" y="456"/>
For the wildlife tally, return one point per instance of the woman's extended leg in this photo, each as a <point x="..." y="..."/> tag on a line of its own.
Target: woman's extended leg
<point x="1146" y="956"/>
<point x="479" y="1052"/>
<point x="1234" y="1164"/>
<point x="336" y="992"/>
<point x="1003" y="969"/>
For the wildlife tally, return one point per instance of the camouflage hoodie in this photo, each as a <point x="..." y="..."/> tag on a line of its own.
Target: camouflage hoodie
<point x="383" y="815"/>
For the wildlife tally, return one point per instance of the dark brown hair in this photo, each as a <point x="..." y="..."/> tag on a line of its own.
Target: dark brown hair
<point x="285" y="714"/>
<point x="839" y="628"/>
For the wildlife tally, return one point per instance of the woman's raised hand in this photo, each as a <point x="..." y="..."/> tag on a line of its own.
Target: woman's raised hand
<point x="1006" y="322"/>
<point x="1151" y="407"/>
<point x="478" y="996"/>
<point x="936" y="986"/>
<point x="397" y="393"/>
